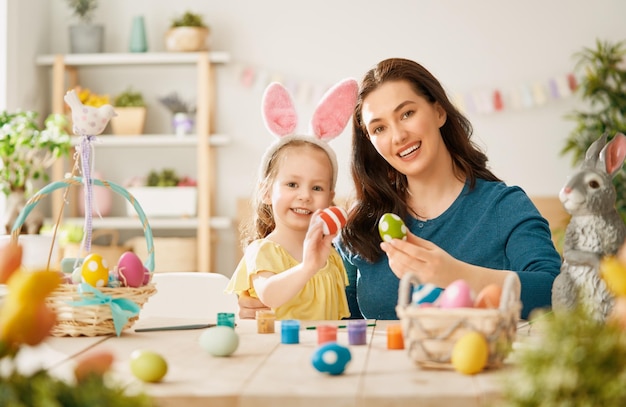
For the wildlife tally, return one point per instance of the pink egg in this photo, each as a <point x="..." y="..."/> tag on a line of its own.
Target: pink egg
<point x="147" y="275"/>
<point x="457" y="294"/>
<point x="130" y="270"/>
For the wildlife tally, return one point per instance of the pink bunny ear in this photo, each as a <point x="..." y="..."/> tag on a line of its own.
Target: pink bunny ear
<point x="334" y="110"/>
<point x="279" y="112"/>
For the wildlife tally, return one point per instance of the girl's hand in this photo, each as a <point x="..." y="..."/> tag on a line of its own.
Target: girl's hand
<point x="422" y="257"/>
<point x="317" y="246"/>
<point x="248" y="306"/>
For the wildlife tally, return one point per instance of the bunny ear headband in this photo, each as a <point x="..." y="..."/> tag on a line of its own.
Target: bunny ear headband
<point x="329" y="119"/>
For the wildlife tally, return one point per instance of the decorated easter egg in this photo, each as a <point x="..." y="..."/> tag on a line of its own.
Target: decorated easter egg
<point x="334" y="219"/>
<point x="130" y="270"/>
<point x="489" y="297"/>
<point x="391" y="226"/>
<point x="147" y="275"/>
<point x="457" y="294"/>
<point x="331" y="358"/>
<point x="148" y="366"/>
<point x="219" y="340"/>
<point x="425" y="293"/>
<point x="94" y="270"/>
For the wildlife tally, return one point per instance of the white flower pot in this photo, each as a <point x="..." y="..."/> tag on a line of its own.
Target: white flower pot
<point x="164" y="201"/>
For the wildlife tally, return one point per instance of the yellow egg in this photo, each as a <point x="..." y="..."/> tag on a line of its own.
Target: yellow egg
<point x="470" y="353"/>
<point x="614" y="274"/>
<point x="95" y="271"/>
<point x="148" y="366"/>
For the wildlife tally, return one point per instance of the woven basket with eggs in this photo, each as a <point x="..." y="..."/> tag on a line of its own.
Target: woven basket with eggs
<point x="431" y="332"/>
<point x="84" y="310"/>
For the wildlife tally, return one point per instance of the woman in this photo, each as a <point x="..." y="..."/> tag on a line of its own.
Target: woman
<point x="413" y="156"/>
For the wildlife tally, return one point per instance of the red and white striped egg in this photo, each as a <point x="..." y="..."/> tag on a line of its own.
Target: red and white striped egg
<point x="334" y="218"/>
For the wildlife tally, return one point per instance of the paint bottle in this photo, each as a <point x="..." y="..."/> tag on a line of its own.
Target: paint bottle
<point x="290" y="331"/>
<point x="265" y="319"/>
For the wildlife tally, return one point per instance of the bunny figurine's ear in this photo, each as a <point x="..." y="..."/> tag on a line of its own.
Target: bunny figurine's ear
<point x="279" y="113"/>
<point x="334" y="110"/>
<point x="613" y="154"/>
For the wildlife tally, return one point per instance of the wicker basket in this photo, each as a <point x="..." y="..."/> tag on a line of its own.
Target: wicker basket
<point x="430" y="333"/>
<point x="91" y="320"/>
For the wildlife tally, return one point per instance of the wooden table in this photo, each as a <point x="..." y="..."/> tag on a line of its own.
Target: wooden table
<point x="264" y="372"/>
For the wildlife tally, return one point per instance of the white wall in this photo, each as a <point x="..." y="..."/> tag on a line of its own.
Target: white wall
<point x="470" y="46"/>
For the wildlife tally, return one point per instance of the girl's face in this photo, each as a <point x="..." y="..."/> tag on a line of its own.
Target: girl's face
<point x="404" y="128"/>
<point x="302" y="185"/>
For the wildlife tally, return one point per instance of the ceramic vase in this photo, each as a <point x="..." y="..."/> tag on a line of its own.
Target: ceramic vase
<point x="138" y="40"/>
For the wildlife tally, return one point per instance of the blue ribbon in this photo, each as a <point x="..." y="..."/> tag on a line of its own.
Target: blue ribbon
<point x="122" y="309"/>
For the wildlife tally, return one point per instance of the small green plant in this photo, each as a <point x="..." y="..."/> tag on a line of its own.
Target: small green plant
<point x="26" y="151"/>
<point x="129" y="98"/>
<point x="165" y="178"/>
<point x="602" y="86"/>
<point x="83" y="9"/>
<point x="189" y="19"/>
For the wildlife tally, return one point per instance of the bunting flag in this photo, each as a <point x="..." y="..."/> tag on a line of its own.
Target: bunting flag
<point x="481" y="101"/>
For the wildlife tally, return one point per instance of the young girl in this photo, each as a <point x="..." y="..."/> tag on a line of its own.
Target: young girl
<point x="289" y="264"/>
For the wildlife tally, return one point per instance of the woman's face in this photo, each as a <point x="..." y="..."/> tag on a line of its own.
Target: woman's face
<point x="404" y="128"/>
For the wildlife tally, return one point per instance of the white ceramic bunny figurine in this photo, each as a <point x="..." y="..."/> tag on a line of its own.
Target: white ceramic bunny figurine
<point x="595" y="229"/>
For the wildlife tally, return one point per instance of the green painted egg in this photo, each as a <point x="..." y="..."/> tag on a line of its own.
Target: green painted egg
<point x="391" y="226"/>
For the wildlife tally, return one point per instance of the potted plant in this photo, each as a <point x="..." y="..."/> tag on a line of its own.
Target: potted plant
<point x="602" y="86"/>
<point x="187" y="33"/>
<point x="164" y="193"/>
<point x="183" y="113"/>
<point x="85" y="37"/>
<point x="26" y="153"/>
<point x="131" y="113"/>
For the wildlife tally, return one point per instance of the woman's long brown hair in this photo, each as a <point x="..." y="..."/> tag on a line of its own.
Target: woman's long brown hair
<point x="380" y="188"/>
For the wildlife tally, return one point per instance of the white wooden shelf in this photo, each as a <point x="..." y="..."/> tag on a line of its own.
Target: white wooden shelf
<point x="132" y="223"/>
<point x="133" y="58"/>
<point x="155" y="140"/>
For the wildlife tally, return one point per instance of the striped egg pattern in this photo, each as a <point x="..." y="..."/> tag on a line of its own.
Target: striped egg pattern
<point x="334" y="219"/>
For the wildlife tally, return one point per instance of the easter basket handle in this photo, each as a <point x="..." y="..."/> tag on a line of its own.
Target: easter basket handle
<point x="407" y="281"/>
<point x="78" y="181"/>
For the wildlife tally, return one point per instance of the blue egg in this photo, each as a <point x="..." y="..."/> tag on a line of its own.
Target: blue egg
<point x="331" y="358"/>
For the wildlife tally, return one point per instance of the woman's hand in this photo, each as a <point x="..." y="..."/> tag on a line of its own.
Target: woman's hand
<point x="422" y="257"/>
<point x="434" y="265"/>
<point x="248" y="306"/>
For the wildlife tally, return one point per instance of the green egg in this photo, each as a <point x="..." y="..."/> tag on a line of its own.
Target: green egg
<point x="391" y="226"/>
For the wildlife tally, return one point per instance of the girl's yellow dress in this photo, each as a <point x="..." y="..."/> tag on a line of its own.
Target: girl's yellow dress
<point x="322" y="298"/>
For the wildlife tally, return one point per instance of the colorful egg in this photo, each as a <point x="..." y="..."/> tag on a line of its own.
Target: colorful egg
<point x="457" y="294"/>
<point x="94" y="270"/>
<point x="426" y="293"/>
<point x="391" y="226"/>
<point x="219" y="340"/>
<point x="489" y="297"/>
<point x="148" y="366"/>
<point x="147" y="276"/>
<point x="331" y="358"/>
<point x="130" y="270"/>
<point x="334" y="219"/>
<point x="470" y="353"/>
